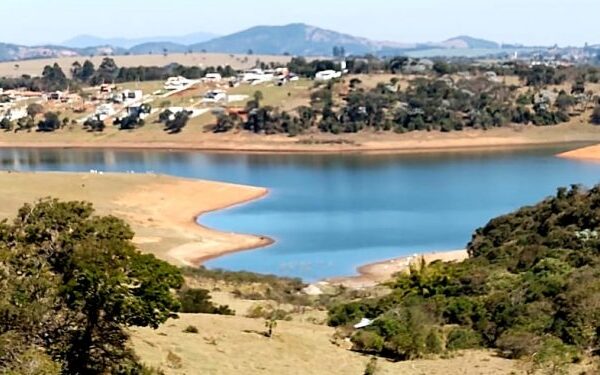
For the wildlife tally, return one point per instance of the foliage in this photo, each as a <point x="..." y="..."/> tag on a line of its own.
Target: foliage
<point x="50" y="123"/>
<point x="69" y="284"/>
<point x="191" y="329"/>
<point x="197" y="301"/>
<point x="530" y="286"/>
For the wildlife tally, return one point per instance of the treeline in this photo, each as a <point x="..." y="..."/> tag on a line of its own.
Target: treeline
<point x="53" y="77"/>
<point x="71" y="283"/>
<point x="530" y="288"/>
<point x="440" y="104"/>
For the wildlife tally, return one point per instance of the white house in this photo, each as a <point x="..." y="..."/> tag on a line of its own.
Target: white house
<point x="327" y="75"/>
<point x="215" y="96"/>
<point x="256" y="76"/>
<point x="104" y="111"/>
<point x="212" y="77"/>
<point x="178" y="83"/>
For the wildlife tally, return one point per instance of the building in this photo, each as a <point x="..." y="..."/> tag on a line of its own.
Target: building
<point x="212" y="77"/>
<point x="327" y="75"/>
<point x="177" y="83"/>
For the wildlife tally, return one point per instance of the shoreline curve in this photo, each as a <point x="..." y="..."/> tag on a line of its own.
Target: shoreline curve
<point x="264" y="241"/>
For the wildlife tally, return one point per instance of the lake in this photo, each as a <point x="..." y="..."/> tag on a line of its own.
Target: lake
<point x="332" y="213"/>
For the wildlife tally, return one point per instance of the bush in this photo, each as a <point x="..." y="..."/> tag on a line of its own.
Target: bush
<point x="367" y="341"/>
<point x="463" y="338"/>
<point x="191" y="329"/>
<point x="434" y="342"/>
<point x="516" y="343"/>
<point x="197" y="301"/>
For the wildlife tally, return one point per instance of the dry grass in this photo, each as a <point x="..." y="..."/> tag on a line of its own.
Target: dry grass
<point x="238" y="61"/>
<point x="237" y="345"/>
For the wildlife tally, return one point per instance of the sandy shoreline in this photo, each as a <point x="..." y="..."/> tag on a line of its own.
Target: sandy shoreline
<point x="363" y="142"/>
<point x="161" y="210"/>
<point x="382" y="271"/>
<point x="373" y="148"/>
<point x="590" y="153"/>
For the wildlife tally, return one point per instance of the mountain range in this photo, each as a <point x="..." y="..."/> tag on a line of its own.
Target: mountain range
<point x="294" y="39"/>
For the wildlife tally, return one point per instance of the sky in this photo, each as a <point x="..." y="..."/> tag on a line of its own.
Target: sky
<point x="531" y="22"/>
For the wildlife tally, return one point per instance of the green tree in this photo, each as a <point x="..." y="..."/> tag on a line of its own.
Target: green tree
<point x="85" y="282"/>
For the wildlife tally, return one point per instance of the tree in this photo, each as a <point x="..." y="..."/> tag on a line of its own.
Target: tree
<point x="51" y="122"/>
<point x="34" y="109"/>
<point x="258" y="97"/>
<point x="86" y="72"/>
<point x="54" y="79"/>
<point x="77" y="281"/>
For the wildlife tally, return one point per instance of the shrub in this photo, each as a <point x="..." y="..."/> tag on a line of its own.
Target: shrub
<point x="463" y="338"/>
<point x="516" y="343"/>
<point x="434" y="342"/>
<point x="191" y="329"/>
<point x="367" y="341"/>
<point x="197" y="301"/>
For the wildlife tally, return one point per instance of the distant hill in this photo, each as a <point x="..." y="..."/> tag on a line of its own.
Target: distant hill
<point x="295" y="39"/>
<point x="158" y="48"/>
<point x="13" y="52"/>
<point x="465" y="41"/>
<point x="82" y="41"/>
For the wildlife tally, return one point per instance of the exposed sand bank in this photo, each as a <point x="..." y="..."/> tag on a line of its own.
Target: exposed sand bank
<point x="591" y="153"/>
<point x="379" y="272"/>
<point x="364" y="142"/>
<point x="161" y="210"/>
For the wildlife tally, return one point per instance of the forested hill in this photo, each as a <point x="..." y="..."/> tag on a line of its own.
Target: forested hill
<point x="531" y="288"/>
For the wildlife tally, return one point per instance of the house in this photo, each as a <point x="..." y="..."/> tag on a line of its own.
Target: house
<point x="103" y="112"/>
<point x="327" y="75"/>
<point x="128" y="96"/>
<point x="212" y="77"/>
<point x="178" y="83"/>
<point x="256" y="76"/>
<point x="57" y="95"/>
<point x="215" y="96"/>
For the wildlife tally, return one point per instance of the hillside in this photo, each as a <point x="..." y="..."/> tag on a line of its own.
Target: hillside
<point x="15" y="52"/>
<point x="295" y="39"/>
<point x="465" y="41"/>
<point x="83" y="41"/>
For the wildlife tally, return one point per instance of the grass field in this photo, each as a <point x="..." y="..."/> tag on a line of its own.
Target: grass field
<point x="238" y="61"/>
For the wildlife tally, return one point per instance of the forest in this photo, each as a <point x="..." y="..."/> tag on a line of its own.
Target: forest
<point x="530" y="289"/>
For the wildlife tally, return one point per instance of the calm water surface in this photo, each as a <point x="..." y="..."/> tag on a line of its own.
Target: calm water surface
<point x="330" y="214"/>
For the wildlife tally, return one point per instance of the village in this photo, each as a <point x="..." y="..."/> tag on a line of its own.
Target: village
<point x="113" y="104"/>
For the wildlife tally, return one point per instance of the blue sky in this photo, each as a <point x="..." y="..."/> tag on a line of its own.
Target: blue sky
<point x="565" y="22"/>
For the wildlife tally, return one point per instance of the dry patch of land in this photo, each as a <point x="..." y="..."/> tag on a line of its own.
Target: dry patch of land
<point x="160" y="209"/>
<point x="236" y="61"/>
<point x="196" y="137"/>
<point x="237" y="345"/>
<point x="591" y="153"/>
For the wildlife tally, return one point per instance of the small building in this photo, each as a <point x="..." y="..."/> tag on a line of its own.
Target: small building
<point x="327" y="75"/>
<point x="177" y="83"/>
<point x="215" y="96"/>
<point x="212" y="77"/>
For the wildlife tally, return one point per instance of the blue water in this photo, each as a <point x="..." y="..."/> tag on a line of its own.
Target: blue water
<point x="330" y="213"/>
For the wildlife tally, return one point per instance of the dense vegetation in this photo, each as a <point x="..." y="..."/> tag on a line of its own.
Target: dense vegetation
<point x="428" y="103"/>
<point x="531" y="285"/>
<point x="70" y="283"/>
